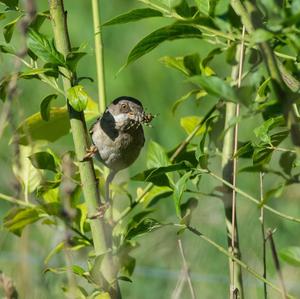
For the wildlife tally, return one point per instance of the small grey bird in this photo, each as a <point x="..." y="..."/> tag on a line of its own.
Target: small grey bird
<point x="118" y="135"/>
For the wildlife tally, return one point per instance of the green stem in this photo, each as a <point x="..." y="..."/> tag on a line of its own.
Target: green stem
<point x="80" y="138"/>
<point x="19" y="202"/>
<point x="229" y="167"/>
<point x="99" y="56"/>
<point x="256" y="201"/>
<point x="238" y="261"/>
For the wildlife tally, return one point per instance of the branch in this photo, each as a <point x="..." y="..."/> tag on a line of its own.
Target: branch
<point x="90" y="190"/>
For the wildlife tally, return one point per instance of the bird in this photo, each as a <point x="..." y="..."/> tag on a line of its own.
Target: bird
<point x="118" y="136"/>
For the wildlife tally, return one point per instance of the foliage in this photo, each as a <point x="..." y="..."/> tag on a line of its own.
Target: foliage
<point x="55" y="195"/>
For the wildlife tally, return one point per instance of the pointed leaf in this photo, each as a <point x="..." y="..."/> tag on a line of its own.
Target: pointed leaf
<point x="43" y="160"/>
<point x="133" y="16"/>
<point x="44" y="48"/>
<point x="178" y="192"/>
<point x="9" y="28"/>
<point x="156" y="155"/>
<point x="154" y="39"/>
<point x="215" y="86"/>
<point x="45" y="106"/>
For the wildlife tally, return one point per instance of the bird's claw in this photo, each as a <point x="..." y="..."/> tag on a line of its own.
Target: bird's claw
<point x="90" y="152"/>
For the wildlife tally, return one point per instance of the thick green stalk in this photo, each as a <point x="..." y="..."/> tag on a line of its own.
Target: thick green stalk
<point x="80" y="138"/>
<point x="99" y="55"/>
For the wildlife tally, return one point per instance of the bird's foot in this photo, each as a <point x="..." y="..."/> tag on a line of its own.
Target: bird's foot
<point x="90" y="152"/>
<point x="100" y="211"/>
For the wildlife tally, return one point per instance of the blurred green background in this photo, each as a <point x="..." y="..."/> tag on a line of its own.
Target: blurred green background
<point x="158" y="258"/>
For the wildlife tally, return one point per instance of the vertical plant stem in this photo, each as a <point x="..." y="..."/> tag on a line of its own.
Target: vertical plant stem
<point x="277" y="264"/>
<point x="229" y="166"/>
<point x="102" y="241"/>
<point x="99" y="55"/>
<point x="262" y="221"/>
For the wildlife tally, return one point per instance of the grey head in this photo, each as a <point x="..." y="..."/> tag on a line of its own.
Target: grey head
<point x="123" y="114"/>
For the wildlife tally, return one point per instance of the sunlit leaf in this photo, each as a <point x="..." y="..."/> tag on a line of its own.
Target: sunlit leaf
<point x="154" y="39"/>
<point x="133" y="16"/>
<point x="262" y="131"/>
<point x="34" y="127"/>
<point x="215" y="86"/>
<point x="44" y="48"/>
<point x="45" y="106"/>
<point x="18" y="218"/>
<point x="28" y="176"/>
<point x="189" y="124"/>
<point x="78" y="98"/>
<point x="206" y="6"/>
<point x="179" y="189"/>
<point x="156" y="155"/>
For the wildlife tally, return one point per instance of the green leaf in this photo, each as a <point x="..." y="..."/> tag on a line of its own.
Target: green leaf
<point x="291" y="255"/>
<point x="7" y="49"/>
<point x="286" y="161"/>
<point x="39" y="20"/>
<point x="127" y="265"/>
<point x="147" y="225"/>
<point x="73" y="59"/>
<point x="183" y="99"/>
<point x="78" y="98"/>
<point x="95" y="272"/>
<point x="156" y="155"/>
<point x="9" y="28"/>
<point x="154" y="39"/>
<point x="187" y="209"/>
<point x="124" y="278"/>
<point x="35" y="128"/>
<point x="245" y="150"/>
<point x="175" y="63"/>
<point x="215" y="86"/>
<point x="44" y="48"/>
<point x="262" y="131"/>
<point x="43" y="160"/>
<point x="18" y="218"/>
<point x="206" y="7"/>
<point x="28" y="176"/>
<point x="156" y="194"/>
<point x="179" y="189"/>
<point x="260" y="35"/>
<point x="13" y="4"/>
<point x="133" y="16"/>
<point x="155" y="174"/>
<point x="34" y="73"/>
<point x="45" y="106"/>
<point x="189" y="124"/>
<point x="59" y="247"/>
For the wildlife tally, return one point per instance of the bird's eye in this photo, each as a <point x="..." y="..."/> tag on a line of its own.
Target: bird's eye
<point x="124" y="107"/>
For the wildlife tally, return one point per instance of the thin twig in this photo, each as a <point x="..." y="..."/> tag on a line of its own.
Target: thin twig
<point x="253" y="199"/>
<point x="186" y="270"/>
<point x="262" y="221"/>
<point x="238" y="261"/>
<point x="276" y="263"/>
